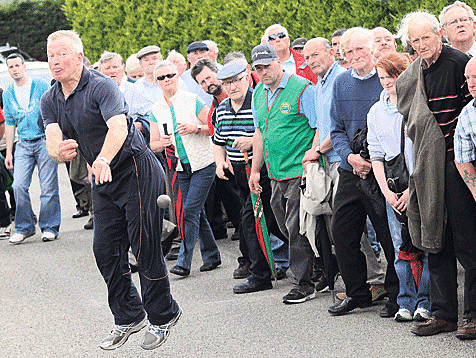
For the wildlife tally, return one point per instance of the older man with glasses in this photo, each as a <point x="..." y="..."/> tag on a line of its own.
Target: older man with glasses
<point x="291" y="60"/>
<point x="458" y="25"/>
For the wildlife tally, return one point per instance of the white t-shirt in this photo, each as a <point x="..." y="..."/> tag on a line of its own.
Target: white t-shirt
<point x="22" y="93"/>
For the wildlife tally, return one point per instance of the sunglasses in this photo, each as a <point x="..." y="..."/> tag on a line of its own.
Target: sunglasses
<point x="281" y="35"/>
<point x="170" y="75"/>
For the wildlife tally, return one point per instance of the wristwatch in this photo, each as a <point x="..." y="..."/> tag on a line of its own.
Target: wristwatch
<point x="318" y="150"/>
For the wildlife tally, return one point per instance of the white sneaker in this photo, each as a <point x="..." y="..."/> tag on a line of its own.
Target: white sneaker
<point x="48" y="236"/>
<point x="421" y="314"/>
<point x="157" y="335"/>
<point x="120" y="334"/>
<point x="18" y="238"/>
<point x="403" y="315"/>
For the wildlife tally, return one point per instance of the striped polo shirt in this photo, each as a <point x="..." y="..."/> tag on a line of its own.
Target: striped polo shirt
<point x="446" y="90"/>
<point x="231" y="125"/>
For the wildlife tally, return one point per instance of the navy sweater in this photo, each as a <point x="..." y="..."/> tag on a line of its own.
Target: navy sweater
<point x="352" y="99"/>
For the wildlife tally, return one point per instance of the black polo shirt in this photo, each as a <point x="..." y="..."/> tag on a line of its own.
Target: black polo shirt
<point x="83" y="116"/>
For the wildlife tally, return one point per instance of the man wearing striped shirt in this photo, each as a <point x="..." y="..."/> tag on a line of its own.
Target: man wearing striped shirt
<point x="441" y="68"/>
<point x="233" y="137"/>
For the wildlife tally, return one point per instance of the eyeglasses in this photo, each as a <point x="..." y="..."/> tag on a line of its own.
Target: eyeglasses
<point x="235" y="81"/>
<point x="170" y="75"/>
<point x="281" y="35"/>
<point x="463" y="20"/>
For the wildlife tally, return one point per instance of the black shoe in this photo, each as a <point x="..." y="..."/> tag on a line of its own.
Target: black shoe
<point x="349" y="304"/>
<point x="209" y="266"/>
<point x="173" y="254"/>
<point x="243" y="270"/>
<point x="90" y="224"/>
<point x="80" y="213"/>
<point x="235" y="236"/>
<point x="322" y="285"/>
<point x="280" y="274"/>
<point x="178" y="270"/>
<point x="389" y="310"/>
<point x="248" y="286"/>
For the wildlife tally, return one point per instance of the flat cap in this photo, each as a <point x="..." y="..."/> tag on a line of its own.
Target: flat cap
<point x="231" y="69"/>
<point x="148" y="50"/>
<point x="197" y="45"/>
<point x="299" y="43"/>
<point x="263" y="54"/>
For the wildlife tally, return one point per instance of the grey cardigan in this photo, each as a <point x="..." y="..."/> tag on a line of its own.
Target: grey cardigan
<point x="426" y="206"/>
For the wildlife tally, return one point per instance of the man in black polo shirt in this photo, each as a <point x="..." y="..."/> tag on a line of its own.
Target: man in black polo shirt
<point x="89" y="109"/>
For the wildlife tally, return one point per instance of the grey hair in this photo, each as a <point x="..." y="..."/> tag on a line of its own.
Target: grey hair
<point x="107" y="56"/>
<point x="165" y="63"/>
<point x="232" y="56"/>
<point x="76" y="43"/>
<point x="174" y="53"/>
<point x="132" y="62"/>
<point x="455" y="4"/>
<point x="414" y="17"/>
<point x="347" y="36"/>
<point x="211" y="44"/>
<point x="281" y="27"/>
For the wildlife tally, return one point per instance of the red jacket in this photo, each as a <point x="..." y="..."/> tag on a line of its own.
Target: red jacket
<point x="302" y="69"/>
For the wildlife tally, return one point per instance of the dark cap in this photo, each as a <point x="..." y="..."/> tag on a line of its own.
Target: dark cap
<point x="231" y="69"/>
<point x="299" y="43"/>
<point x="263" y="54"/>
<point x="197" y="45"/>
<point x="147" y="50"/>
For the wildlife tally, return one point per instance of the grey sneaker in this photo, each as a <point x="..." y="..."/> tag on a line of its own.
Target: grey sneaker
<point x="120" y="334"/>
<point x="157" y="335"/>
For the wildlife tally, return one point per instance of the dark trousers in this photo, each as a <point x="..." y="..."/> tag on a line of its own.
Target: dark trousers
<point x="259" y="268"/>
<point x="126" y="215"/>
<point x="350" y="213"/>
<point x="226" y="192"/>
<point x="13" y="204"/>
<point x="460" y="243"/>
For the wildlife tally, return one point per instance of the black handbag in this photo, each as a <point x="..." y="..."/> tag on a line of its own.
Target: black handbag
<point x="397" y="174"/>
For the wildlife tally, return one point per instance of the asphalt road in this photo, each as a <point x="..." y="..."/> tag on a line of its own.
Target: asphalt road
<point x="53" y="303"/>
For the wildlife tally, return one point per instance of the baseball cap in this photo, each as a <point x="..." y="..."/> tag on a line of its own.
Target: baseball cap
<point x="299" y="43"/>
<point x="263" y="54"/>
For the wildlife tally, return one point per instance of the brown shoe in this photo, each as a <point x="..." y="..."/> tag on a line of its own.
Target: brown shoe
<point x="378" y="292"/>
<point x="433" y="326"/>
<point x="243" y="270"/>
<point x="467" y="330"/>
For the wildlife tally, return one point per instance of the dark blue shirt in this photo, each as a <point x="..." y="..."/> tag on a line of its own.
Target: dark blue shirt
<point x="83" y="116"/>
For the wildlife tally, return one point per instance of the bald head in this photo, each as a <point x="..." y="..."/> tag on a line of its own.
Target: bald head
<point x="319" y="55"/>
<point x="470" y="74"/>
<point x="383" y="42"/>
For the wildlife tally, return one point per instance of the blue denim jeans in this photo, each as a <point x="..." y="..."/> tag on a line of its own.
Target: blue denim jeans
<point x="409" y="297"/>
<point x="195" y="187"/>
<point x="27" y="155"/>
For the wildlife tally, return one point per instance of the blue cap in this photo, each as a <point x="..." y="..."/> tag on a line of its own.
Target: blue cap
<point x="231" y="69"/>
<point x="197" y="45"/>
<point x="263" y="55"/>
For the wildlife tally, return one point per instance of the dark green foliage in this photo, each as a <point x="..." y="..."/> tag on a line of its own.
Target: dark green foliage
<point x="27" y="24"/>
<point x="125" y="26"/>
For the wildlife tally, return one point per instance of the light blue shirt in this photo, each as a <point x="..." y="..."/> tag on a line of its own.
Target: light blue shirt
<point x="152" y="91"/>
<point x="193" y="87"/>
<point x="289" y="65"/>
<point x="26" y="120"/>
<point x="465" y="135"/>
<point x="307" y="101"/>
<point x="324" y="88"/>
